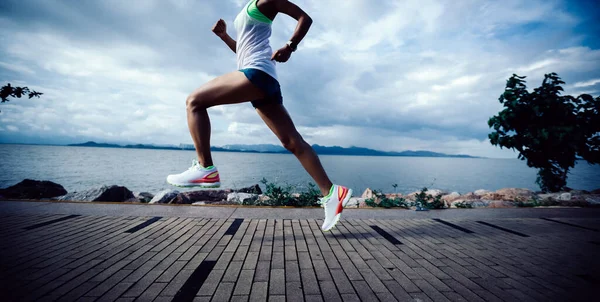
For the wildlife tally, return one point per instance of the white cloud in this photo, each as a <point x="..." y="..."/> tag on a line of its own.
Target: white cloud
<point x="587" y="83"/>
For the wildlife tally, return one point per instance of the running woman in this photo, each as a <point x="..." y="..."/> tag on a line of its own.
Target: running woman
<point x="256" y="82"/>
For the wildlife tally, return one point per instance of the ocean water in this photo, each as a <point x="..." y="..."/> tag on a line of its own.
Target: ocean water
<point x="79" y="168"/>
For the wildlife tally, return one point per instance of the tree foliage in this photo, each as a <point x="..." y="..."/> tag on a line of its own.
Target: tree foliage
<point x="549" y="130"/>
<point x="16" y="92"/>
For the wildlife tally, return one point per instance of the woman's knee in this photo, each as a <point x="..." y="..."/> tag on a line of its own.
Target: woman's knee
<point x="294" y="144"/>
<point x="197" y="101"/>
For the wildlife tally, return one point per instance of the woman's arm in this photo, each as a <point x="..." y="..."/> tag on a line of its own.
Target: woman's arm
<point x="220" y="29"/>
<point x="304" y="23"/>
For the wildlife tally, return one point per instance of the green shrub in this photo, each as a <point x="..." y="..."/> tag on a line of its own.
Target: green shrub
<point x="310" y="198"/>
<point x="428" y="201"/>
<point x="385" y="202"/>
<point x="463" y="205"/>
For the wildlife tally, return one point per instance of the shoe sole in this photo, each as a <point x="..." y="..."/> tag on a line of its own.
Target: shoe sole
<point x="338" y="216"/>
<point x="200" y="185"/>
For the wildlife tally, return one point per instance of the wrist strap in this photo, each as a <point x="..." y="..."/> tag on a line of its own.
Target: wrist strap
<point x="292" y="46"/>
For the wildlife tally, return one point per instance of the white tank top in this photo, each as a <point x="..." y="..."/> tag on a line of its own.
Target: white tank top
<point x="253" y="32"/>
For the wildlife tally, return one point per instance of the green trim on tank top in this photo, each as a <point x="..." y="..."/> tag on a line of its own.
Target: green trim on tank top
<point x="254" y="13"/>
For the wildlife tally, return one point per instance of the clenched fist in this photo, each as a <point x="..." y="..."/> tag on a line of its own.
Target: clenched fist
<point x="220" y="28"/>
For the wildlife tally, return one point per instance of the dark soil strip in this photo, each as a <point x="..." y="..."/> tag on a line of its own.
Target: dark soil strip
<point x="143" y="224"/>
<point x="194" y="283"/>
<point x="503" y="229"/>
<point x="39" y="225"/>
<point x="234" y="227"/>
<point x="453" y="226"/>
<point x="589" y="279"/>
<point x="570" y="224"/>
<point x="386" y="235"/>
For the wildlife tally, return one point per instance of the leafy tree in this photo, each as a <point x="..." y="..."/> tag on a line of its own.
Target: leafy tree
<point x="548" y="129"/>
<point x="17" y="92"/>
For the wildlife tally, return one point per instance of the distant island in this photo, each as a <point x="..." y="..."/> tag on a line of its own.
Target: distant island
<point x="274" y="149"/>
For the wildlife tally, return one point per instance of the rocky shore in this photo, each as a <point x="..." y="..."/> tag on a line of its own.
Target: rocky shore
<point x="503" y="198"/>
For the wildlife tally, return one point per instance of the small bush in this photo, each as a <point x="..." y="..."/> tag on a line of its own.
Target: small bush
<point x="310" y="198"/>
<point x="428" y="201"/>
<point x="463" y="205"/>
<point x="385" y="202"/>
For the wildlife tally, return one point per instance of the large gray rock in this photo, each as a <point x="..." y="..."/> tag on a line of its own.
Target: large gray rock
<point x="241" y="197"/>
<point x="564" y="196"/>
<point x="105" y="193"/>
<point x="481" y="192"/>
<point x="209" y="196"/>
<point x="143" y="196"/>
<point x="33" y="189"/>
<point x="510" y="194"/>
<point x="355" y="202"/>
<point x="164" y="196"/>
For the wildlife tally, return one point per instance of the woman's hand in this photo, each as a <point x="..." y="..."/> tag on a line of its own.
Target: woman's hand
<point x="282" y="55"/>
<point x="220" y="28"/>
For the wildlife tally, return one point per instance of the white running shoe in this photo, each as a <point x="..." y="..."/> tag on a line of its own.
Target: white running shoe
<point x="334" y="204"/>
<point x="196" y="176"/>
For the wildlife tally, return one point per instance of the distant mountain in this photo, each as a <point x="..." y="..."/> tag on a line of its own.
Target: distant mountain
<point x="94" y="144"/>
<point x="267" y="148"/>
<point x="259" y="148"/>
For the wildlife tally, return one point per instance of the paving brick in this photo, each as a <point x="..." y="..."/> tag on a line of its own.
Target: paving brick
<point x="309" y="282"/>
<point x="259" y="291"/>
<point x="329" y="291"/>
<point x="364" y="291"/>
<point x="342" y="282"/>
<point x="223" y="292"/>
<point x="293" y="291"/>
<point x="277" y="282"/>
<point x="244" y="284"/>
<point x="232" y="272"/>
<point x="262" y="271"/>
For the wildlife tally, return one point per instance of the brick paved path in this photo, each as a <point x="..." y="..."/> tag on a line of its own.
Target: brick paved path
<point x="108" y="258"/>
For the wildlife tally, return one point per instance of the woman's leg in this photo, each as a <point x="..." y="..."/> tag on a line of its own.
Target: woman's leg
<point x="231" y="88"/>
<point x="280" y="122"/>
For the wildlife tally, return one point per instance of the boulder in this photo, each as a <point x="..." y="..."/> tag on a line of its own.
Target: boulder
<point x="474" y="203"/>
<point x="355" y="202"/>
<point x="481" y="192"/>
<point x="164" y="196"/>
<point x="368" y="193"/>
<point x="255" y="189"/>
<point x="144" y="197"/>
<point x="510" y="194"/>
<point x="263" y="198"/>
<point x="549" y="196"/>
<point x="593" y="199"/>
<point x="449" y="198"/>
<point x="241" y="197"/>
<point x="204" y="195"/>
<point x="105" y="193"/>
<point x="199" y="203"/>
<point x="564" y="196"/>
<point x="33" y="189"/>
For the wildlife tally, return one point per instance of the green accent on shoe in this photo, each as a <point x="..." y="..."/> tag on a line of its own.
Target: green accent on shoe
<point x="207" y="168"/>
<point x="330" y="192"/>
<point x="252" y="10"/>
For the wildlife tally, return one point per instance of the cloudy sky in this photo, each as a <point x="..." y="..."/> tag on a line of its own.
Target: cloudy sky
<point x="384" y="74"/>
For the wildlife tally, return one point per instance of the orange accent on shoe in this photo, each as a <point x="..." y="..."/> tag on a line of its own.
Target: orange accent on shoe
<point x="342" y="192"/>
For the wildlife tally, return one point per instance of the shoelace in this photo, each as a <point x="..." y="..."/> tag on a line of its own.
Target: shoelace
<point x="195" y="164"/>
